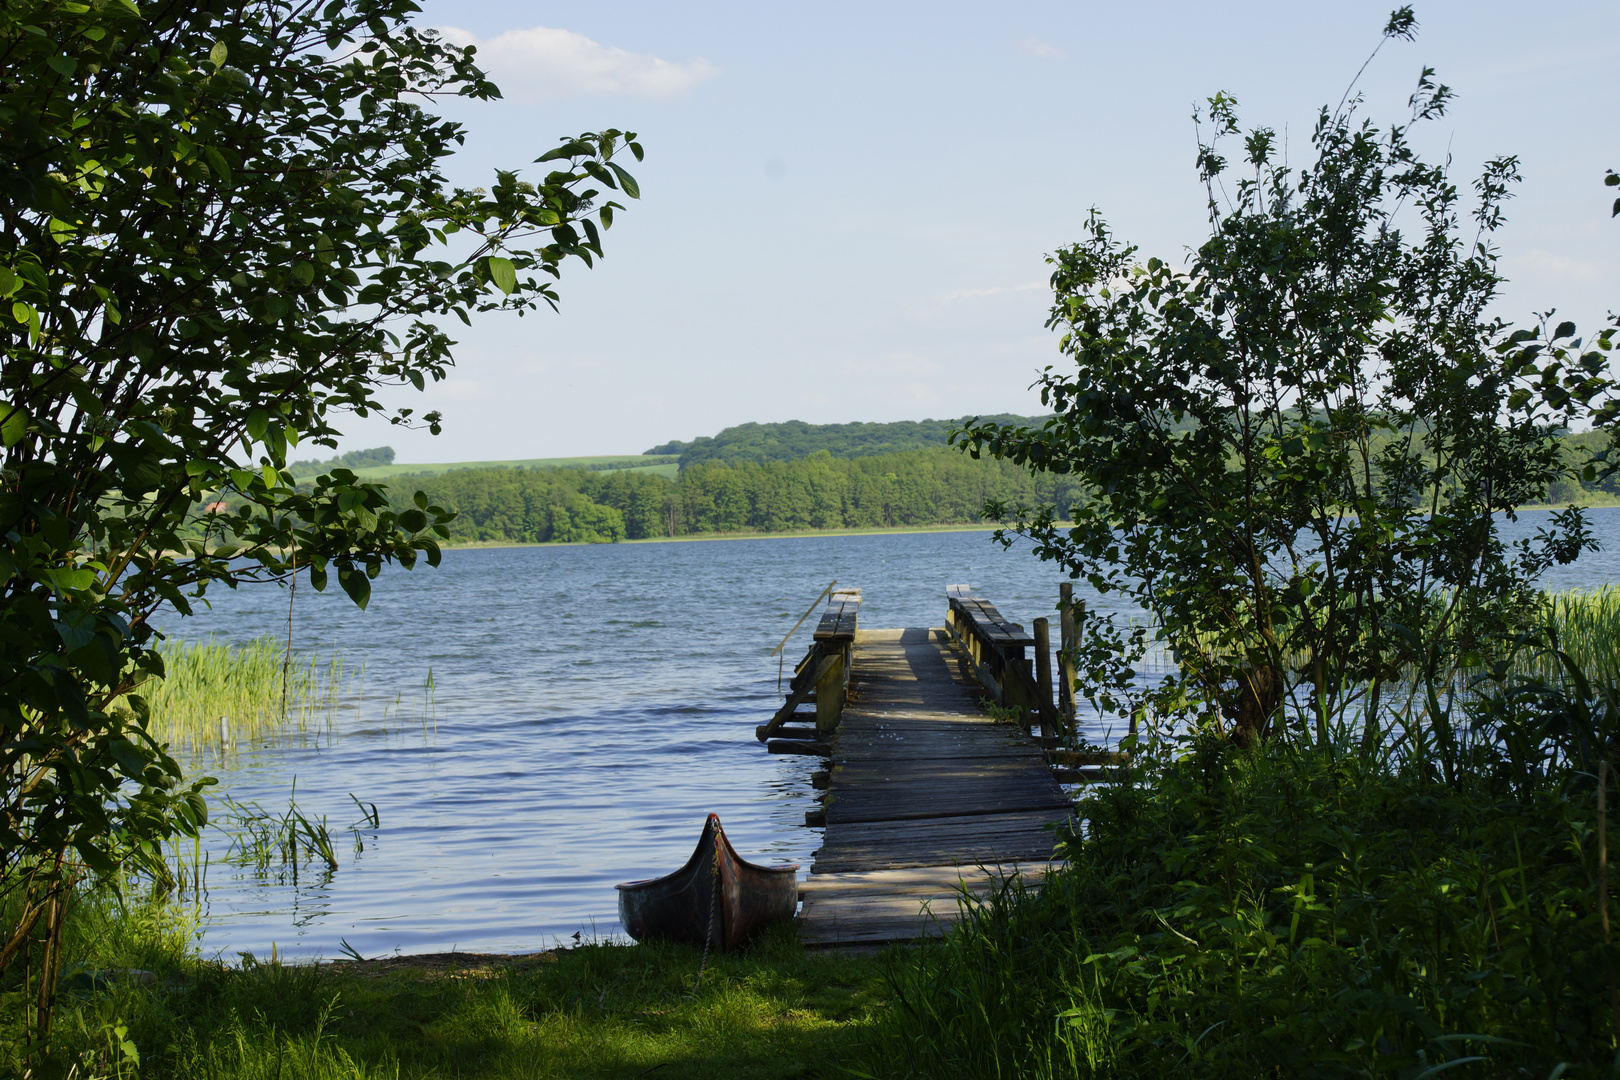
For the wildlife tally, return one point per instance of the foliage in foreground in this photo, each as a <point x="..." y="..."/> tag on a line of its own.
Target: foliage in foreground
<point x="223" y="227"/>
<point x="1331" y="908"/>
<point x="1303" y="443"/>
<point x="1228" y="913"/>
<point x="590" y="1011"/>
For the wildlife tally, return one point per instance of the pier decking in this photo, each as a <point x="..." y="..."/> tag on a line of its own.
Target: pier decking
<point x="924" y="789"/>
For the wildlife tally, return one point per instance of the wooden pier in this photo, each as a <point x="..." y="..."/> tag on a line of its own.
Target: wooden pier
<point x="925" y="794"/>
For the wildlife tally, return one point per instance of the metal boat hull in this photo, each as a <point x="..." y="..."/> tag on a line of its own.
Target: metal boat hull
<point x="717" y="897"/>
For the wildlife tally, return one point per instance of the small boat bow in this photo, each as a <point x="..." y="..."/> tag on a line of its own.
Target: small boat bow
<point x="718" y="898"/>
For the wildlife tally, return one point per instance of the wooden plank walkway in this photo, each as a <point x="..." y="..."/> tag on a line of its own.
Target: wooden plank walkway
<point x="924" y="790"/>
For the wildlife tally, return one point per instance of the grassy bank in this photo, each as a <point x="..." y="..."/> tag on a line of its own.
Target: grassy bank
<point x="590" y="1011"/>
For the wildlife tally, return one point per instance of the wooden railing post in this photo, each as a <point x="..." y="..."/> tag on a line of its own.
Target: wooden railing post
<point x="1043" y="677"/>
<point x="830" y="693"/>
<point x="1067" y="642"/>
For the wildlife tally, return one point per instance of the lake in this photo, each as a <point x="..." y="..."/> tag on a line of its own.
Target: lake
<point x="588" y="706"/>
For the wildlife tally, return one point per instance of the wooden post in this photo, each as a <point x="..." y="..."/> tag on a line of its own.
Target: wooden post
<point x="830" y="693"/>
<point x="1067" y="642"/>
<point x="1043" y="675"/>
<point x="1014" y="689"/>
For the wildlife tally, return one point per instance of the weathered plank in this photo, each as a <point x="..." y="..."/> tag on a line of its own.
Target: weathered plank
<point x="877" y="906"/>
<point x="943" y="841"/>
<point x="923" y="791"/>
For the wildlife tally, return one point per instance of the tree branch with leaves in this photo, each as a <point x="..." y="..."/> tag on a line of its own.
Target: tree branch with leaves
<point x="224" y="228"/>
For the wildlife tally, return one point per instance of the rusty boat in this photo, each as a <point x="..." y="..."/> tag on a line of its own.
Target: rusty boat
<point x="718" y="898"/>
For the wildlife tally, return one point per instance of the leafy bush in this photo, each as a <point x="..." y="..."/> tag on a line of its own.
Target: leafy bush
<point x="1315" y="910"/>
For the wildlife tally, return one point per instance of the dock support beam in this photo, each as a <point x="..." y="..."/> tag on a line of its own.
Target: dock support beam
<point x="1043" y="677"/>
<point x="1068" y="642"/>
<point x="830" y="692"/>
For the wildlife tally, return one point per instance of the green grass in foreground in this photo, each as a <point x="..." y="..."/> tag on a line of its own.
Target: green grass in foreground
<point x="592" y="1011"/>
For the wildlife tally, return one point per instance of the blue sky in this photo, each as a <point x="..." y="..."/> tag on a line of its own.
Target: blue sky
<point x="845" y="207"/>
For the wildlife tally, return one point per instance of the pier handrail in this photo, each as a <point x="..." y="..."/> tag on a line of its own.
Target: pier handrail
<point x="824" y="671"/>
<point x="803" y="617"/>
<point x="995" y="649"/>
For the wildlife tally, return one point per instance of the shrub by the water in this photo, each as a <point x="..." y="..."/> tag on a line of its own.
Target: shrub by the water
<point x="1305" y="910"/>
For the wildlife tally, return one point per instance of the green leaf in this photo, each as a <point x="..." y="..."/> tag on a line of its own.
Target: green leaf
<point x="62" y="65"/>
<point x="8" y="281"/>
<point x="626" y="181"/>
<point x="13" y="424"/>
<point x="502" y="273"/>
<point x="572" y="148"/>
<point x="67" y="579"/>
<point x="356" y="584"/>
<point x="128" y="756"/>
<point x="218" y="53"/>
<point x="1565" y="329"/>
<point x="75" y="636"/>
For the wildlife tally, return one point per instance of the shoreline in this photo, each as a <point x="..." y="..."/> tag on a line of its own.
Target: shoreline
<point x="897" y="530"/>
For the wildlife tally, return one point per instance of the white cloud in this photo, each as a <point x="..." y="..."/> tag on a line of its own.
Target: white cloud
<point x="918" y="395"/>
<point x="1034" y="46"/>
<point x="957" y="296"/>
<point x="463" y="390"/>
<point x="895" y="363"/>
<point x="1562" y="268"/>
<point x="540" y="62"/>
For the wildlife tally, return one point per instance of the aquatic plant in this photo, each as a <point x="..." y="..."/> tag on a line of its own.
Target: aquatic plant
<point x="215" y="693"/>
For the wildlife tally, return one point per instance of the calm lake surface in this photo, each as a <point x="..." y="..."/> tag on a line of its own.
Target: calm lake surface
<point x="588" y="706"/>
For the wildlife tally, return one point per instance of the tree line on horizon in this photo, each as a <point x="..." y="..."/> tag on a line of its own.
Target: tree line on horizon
<point x="938" y="486"/>
<point x="794" y="439"/>
<point x="818" y="491"/>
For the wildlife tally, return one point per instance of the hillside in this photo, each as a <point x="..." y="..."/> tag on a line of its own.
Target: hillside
<point x="794" y="439"/>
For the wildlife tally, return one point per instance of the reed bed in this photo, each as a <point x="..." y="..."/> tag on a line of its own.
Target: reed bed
<point x="246" y="685"/>
<point x="1587" y="624"/>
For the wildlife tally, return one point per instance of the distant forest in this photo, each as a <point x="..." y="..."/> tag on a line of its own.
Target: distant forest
<point x="939" y="486"/>
<point x="767" y="478"/>
<point x="790" y="441"/>
<point x="354" y="459"/>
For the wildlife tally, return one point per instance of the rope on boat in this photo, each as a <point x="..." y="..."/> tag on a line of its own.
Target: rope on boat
<point x="714" y="908"/>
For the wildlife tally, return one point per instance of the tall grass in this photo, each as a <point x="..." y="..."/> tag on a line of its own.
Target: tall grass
<point x="1435" y="900"/>
<point x="210" y="679"/>
<point x="1588" y="627"/>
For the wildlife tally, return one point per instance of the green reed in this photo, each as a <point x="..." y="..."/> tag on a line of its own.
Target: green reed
<point x="1587" y="622"/>
<point x="255" y="687"/>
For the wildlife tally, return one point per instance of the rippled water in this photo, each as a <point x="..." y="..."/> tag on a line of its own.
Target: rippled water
<point x="589" y="705"/>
